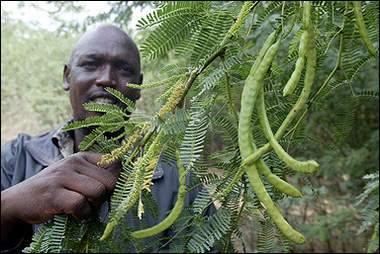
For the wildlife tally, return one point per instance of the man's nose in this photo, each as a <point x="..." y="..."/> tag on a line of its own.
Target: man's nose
<point x="106" y="77"/>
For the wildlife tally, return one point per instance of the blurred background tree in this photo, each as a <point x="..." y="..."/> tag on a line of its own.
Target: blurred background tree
<point x="32" y="60"/>
<point x="340" y="211"/>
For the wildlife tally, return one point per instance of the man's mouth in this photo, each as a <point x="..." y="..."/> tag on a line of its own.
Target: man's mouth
<point x="103" y="100"/>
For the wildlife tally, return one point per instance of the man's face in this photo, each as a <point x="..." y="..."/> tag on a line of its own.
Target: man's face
<point x="104" y="58"/>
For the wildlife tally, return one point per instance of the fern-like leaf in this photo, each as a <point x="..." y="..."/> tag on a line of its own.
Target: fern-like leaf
<point x="195" y="134"/>
<point x="129" y="103"/>
<point x="102" y="107"/>
<point x="204" y="237"/>
<point x="109" y="119"/>
<point x="171" y="11"/>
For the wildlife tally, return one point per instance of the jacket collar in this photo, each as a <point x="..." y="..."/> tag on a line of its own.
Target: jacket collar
<point x="45" y="149"/>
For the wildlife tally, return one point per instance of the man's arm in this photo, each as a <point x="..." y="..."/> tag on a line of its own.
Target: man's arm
<point x="74" y="185"/>
<point x="13" y="231"/>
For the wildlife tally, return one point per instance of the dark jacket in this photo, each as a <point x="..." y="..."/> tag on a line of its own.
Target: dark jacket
<point x="26" y="155"/>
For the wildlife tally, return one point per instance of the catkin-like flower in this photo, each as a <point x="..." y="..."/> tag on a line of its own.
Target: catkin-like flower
<point x="244" y="11"/>
<point x="117" y="153"/>
<point x="149" y="170"/>
<point x="173" y="100"/>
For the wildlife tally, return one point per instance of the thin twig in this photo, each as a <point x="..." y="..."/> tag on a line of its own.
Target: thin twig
<point x="314" y="97"/>
<point x="228" y="90"/>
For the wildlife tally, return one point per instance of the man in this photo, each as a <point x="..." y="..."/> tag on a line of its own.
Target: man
<point x="46" y="175"/>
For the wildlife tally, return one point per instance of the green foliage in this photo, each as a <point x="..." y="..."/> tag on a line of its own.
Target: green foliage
<point x="209" y="230"/>
<point x="173" y="28"/>
<point x="370" y="211"/>
<point x="193" y="141"/>
<point x="269" y="240"/>
<point x="49" y="237"/>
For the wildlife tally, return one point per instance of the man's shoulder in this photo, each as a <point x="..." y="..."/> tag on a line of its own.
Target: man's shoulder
<point x="26" y="155"/>
<point x="39" y="147"/>
<point x="24" y="140"/>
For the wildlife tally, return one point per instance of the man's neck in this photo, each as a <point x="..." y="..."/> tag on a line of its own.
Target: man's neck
<point x="79" y="134"/>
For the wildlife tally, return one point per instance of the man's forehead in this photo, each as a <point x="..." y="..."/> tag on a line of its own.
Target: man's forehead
<point x="108" y="41"/>
<point x="107" y="47"/>
<point x="105" y="32"/>
<point x="104" y="42"/>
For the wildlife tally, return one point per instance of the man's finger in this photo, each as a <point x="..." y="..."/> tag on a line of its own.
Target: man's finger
<point x="114" y="168"/>
<point x="71" y="202"/>
<point x="91" y="157"/>
<point x="106" y="177"/>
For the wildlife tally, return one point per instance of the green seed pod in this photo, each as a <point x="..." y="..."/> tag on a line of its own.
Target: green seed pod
<point x="301" y="166"/>
<point x="268" y="42"/>
<point x="362" y="29"/>
<point x="311" y="61"/>
<point x="175" y="212"/>
<point x="276" y="181"/>
<point x="296" y="75"/>
<point x="306" y="17"/>
<point x="252" y="86"/>
<point x="272" y="210"/>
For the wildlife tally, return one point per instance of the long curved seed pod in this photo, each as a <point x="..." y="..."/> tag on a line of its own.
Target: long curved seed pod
<point x="175" y="212"/>
<point x="261" y="166"/>
<point x="268" y="42"/>
<point x="361" y="27"/>
<point x="249" y="95"/>
<point x="301" y="102"/>
<point x="264" y="49"/>
<point x="276" y="181"/>
<point x="296" y="75"/>
<point x="272" y="210"/>
<point x="301" y="166"/>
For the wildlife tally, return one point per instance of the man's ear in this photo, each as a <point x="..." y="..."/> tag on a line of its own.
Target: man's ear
<point x="66" y="77"/>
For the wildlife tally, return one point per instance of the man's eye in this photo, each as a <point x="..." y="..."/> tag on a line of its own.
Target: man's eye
<point x="125" y="68"/>
<point x="89" y="65"/>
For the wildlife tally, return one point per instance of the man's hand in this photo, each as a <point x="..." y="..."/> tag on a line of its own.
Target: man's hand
<point x="74" y="185"/>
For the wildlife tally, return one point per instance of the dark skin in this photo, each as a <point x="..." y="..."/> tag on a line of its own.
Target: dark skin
<point x="105" y="57"/>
